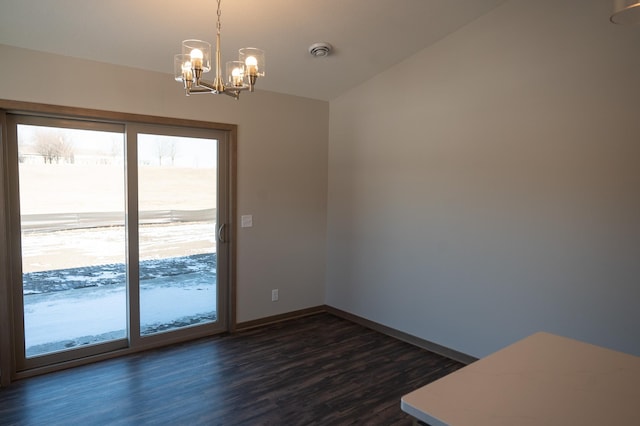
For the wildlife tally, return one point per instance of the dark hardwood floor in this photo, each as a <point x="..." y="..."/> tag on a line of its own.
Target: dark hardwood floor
<point x="319" y="369"/>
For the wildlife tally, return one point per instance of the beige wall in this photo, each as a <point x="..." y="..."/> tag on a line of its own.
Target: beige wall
<point x="282" y="163"/>
<point x="489" y="187"/>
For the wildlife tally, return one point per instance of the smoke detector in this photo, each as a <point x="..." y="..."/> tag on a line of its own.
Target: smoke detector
<point x="320" y="49"/>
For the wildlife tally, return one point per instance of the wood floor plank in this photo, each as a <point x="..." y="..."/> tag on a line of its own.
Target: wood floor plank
<point x="317" y="370"/>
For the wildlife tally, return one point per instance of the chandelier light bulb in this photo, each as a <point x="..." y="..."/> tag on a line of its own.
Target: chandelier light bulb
<point x="187" y="74"/>
<point x="196" y="58"/>
<point x="237" y="76"/>
<point x="252" y="65"/>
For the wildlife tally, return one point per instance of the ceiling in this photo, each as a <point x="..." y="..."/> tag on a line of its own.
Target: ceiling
<point x="368" y="36"/>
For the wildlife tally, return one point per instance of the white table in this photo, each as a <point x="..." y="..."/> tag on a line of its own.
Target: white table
<point x="543" y="379"/>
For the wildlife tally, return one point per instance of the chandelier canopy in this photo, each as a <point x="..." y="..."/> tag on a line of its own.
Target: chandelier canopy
<point x="195" y="60"/>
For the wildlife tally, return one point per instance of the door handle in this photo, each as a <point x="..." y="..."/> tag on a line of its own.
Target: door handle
<point x="220" y="232"/>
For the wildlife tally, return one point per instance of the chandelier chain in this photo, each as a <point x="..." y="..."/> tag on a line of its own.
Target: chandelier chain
<point x="219" y="13"/>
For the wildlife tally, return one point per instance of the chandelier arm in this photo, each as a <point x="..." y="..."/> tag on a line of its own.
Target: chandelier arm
<point x="210" y="87"/>
<point x="234" y="93"/>
<point x="237" y="88"/>
<point x="198" y="91"/>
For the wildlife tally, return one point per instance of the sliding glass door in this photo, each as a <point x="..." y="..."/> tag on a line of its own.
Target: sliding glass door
<point x="118" y="239"/>
<point x="177" y="232"/>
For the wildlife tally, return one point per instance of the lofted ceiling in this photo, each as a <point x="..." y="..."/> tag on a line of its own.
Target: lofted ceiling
<point x="368" y="36"/>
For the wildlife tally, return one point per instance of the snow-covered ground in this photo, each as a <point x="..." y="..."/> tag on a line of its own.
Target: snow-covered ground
<point x="86" y="304"/>
<point x="65" y="319"/>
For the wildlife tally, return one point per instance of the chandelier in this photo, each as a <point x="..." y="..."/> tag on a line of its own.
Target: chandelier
<point x="195" y="60"/>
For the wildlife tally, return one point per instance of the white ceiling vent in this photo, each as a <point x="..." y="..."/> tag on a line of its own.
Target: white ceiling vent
<point x="320" y="49"/>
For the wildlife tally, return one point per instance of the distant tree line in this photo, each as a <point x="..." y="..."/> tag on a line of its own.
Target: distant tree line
<point x="54" y="147"/>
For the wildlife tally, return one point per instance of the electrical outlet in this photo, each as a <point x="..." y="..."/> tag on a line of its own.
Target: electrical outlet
<point x="274" y="295"/>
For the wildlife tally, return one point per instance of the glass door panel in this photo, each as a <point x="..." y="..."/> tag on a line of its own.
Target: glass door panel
<point x="72" y="217"/>
<point x="177" y="232"/>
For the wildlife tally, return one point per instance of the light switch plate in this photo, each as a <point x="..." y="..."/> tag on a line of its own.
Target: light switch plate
<point x="246" y="221"/>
